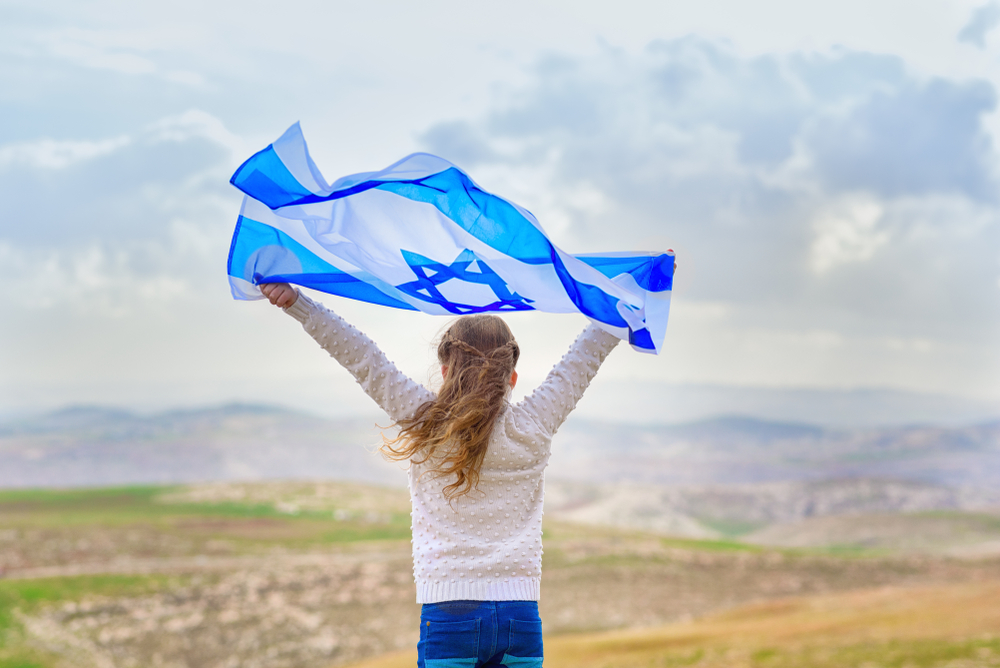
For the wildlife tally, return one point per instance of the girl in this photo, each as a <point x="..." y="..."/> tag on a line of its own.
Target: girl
<point x="475" y="475"/>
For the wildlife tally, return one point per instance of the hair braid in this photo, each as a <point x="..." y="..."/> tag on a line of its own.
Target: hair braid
<point x="452" y="431"/>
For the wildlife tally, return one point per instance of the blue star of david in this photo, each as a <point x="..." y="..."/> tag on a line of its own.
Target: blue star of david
<point x="431" y="274"/>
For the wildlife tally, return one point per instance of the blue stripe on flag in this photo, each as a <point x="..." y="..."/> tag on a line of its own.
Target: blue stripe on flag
<point x="491" y="219"/>
<point x="263" y="254"/>
<point x="652" y="272"/>
<point x="641" y="338"/>
<point x="266" y="178"/>
<point x="265" y="175"/>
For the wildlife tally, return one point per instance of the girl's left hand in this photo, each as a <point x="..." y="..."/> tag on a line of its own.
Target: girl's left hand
<point x="279" y="294"/>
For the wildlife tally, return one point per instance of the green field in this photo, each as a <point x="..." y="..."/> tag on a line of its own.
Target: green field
<point x="141" y="508"/>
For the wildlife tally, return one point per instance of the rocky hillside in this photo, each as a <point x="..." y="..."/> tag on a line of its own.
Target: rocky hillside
<point x="784" y="513"/>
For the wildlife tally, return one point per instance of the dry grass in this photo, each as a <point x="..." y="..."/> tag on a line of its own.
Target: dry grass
<point x="944" y="625"/>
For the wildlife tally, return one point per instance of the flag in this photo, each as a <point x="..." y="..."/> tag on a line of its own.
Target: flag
<point x="421" y="235"/>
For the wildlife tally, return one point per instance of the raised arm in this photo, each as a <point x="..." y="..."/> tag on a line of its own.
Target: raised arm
<point x="394" y="391"/>
<point x="551" y="402"/>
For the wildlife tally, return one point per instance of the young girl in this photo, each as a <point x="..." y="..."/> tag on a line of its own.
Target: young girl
<point x="475" y="475"/>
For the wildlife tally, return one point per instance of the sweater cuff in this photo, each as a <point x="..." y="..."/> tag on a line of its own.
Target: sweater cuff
<point x="302" y="308"/>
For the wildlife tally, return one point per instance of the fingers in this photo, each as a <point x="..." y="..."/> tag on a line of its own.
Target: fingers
<point x="288" y="297"/>
<point x="272" y="291"/>
<point x="280" y="294"/>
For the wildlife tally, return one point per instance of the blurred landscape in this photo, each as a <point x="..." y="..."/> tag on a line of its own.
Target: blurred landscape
<point x="774" y="483"/>
<point x="257" y="536"/>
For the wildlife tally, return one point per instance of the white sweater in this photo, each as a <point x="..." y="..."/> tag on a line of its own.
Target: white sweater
<point x="486" y="545"/>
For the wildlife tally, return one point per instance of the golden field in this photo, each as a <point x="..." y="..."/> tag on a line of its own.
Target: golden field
<point x="955" y="625"/>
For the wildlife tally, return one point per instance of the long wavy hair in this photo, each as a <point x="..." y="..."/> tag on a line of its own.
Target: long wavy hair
<point x="452" y="431"/>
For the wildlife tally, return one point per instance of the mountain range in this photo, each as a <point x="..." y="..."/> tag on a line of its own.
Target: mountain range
<point x="709" y="478"/>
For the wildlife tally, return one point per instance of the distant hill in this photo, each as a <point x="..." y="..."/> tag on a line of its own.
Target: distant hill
<point x="726" y="476"/>
<point x="93" y="446"/>
<point x="656" y="401"/>
<point x="733" y="450"/>
<point x="102" y="446"/>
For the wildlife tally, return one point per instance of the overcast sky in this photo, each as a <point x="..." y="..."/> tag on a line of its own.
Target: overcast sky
<point x="825" y="171"/>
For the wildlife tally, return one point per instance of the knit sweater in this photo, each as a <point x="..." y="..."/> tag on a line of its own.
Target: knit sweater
<point x="485" y="545"/>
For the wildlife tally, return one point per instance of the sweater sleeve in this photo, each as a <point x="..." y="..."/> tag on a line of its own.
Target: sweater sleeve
<point x="552" y="401"/>
<point x="394" y="391"/>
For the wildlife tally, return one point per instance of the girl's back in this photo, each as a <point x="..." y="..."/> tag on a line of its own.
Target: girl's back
<point x="475" y="474"/>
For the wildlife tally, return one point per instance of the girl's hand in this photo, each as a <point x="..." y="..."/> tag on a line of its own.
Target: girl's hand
<point x="279" y="294"/>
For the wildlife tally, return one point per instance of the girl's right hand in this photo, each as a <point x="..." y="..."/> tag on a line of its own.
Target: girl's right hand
<point x="279" y="294"/>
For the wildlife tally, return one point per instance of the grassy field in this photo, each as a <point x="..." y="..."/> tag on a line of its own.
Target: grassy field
<point x="319" y="574"/>
<point x="87" y="519"/>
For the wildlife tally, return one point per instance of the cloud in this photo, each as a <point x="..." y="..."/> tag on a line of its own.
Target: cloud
<point x="918" y="138"/>
<point x="809" y="191"/>
<point x="127" y="52"/>
<point x="982" y="22"/>
<point x="859" y="119"/>
<point x="459" y="142"/>
<point x="114" y="222"/>
<point x="53" y="154"/>
<point x="847" y="232"/>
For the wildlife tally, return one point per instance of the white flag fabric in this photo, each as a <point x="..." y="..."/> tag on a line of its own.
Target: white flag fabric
<point x="421" y="235"/>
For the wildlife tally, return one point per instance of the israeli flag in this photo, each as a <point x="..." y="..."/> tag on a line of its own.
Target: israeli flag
<point x="421" y="235"/>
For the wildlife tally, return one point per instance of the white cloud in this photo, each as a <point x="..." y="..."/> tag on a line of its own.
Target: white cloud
<point x="53" y="154"/>
<point x="847" y="232"/>
<point x="47" y="153"/>
<point x="93" y="279"/>
<point x="131" y="52"/>
<point x="195" y="123"/>
<point x="130" y="221"/>
<point x="920" y="137"/>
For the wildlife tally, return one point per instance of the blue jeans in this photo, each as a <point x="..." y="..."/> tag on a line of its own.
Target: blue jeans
<point x="470" y="634"/>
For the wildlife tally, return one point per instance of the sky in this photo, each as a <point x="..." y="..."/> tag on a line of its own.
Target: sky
<point x="826" y="173"/>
